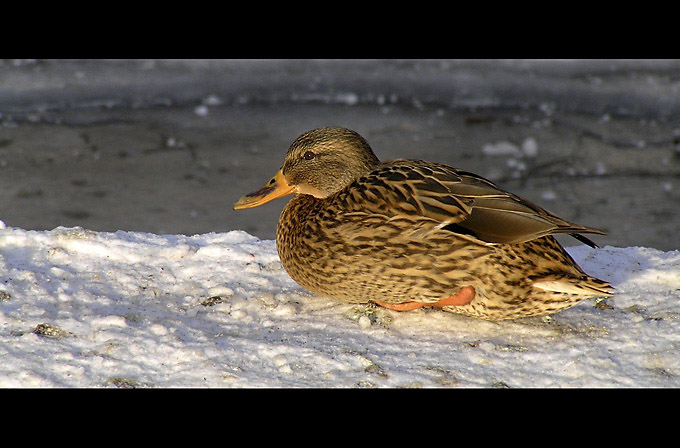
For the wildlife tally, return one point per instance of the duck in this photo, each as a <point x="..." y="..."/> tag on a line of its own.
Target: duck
<point x="406" y="234"/>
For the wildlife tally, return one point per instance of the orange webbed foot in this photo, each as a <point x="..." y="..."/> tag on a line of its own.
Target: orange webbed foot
<point x="404" y="306"/>
<point x="463" y="297"/>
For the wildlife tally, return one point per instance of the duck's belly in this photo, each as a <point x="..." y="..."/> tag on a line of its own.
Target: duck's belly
<point x="364" y="272"/>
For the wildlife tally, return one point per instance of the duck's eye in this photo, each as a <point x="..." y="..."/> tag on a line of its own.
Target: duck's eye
<point x="309" y="155"/>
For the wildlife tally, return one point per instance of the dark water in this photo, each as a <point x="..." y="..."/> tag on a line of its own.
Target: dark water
<point x="171" y="152"/>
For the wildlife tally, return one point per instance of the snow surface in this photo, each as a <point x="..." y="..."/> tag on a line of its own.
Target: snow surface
<point x="80" y="308"/>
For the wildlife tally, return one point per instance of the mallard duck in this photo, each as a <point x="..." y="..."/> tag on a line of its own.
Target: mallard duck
<point x="406" y="234"/>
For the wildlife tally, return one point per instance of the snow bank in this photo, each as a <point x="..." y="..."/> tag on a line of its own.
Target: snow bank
<point x="80" y="308"/>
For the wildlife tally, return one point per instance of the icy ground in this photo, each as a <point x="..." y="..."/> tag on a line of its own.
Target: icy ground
<point x="80" y="308"/>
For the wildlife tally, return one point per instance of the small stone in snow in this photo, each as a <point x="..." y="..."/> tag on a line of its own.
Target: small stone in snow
<point x="364" y="322"/>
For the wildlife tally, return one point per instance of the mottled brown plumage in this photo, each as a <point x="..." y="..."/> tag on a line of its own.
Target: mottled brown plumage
<point x="412" y="231"/>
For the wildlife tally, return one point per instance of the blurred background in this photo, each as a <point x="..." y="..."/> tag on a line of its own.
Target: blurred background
<point x="167" y="146"/>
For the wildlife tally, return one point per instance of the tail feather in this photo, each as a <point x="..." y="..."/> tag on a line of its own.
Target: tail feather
<point x="589" y="286"/>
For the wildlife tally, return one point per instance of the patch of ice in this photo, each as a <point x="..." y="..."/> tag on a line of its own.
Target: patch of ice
<point x="502" y="148"/>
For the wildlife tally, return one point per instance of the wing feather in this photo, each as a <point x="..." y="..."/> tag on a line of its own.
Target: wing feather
<point x="460" y="202"/>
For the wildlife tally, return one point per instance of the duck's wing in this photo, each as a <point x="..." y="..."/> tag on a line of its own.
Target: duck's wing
<point x="460" y="202"/>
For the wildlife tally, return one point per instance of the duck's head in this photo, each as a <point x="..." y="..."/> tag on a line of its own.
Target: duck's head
<point x="319" y="162"/>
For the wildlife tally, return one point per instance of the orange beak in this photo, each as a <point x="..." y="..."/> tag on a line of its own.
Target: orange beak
<point x="275" y="188"/>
